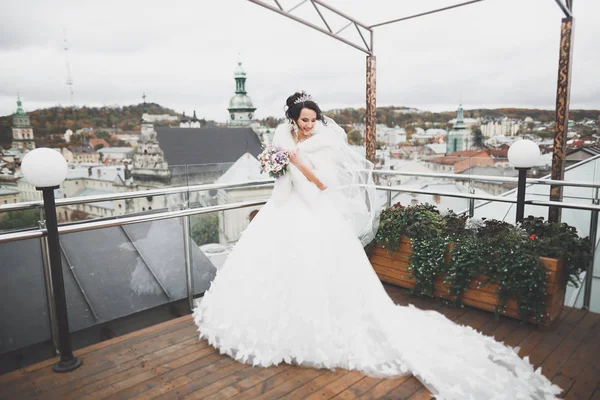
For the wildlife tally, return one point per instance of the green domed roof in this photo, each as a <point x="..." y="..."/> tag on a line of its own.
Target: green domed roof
<point x="239" y="71"/>
<point x="240" y="101"/>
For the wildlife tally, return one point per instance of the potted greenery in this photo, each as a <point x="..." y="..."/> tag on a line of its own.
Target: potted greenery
<point x="519" y="271"/>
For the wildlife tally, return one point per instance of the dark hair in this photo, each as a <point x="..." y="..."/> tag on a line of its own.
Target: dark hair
<point x="293" y="109"/>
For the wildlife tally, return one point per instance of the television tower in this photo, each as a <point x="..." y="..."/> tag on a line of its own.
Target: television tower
<point x="69" y="79"/>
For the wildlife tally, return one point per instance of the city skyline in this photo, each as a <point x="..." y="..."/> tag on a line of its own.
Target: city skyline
<point x="469" y="54"/>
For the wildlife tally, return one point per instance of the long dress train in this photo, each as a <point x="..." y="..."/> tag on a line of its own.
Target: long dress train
<point x="298" y="288"/>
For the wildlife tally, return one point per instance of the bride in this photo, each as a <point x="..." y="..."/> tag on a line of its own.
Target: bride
<point x="298" y="287"/>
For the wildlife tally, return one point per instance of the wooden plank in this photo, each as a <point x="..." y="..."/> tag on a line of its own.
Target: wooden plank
<point x="581" y="358"/>
<point x="156" y="329"/>
<point x="106" y="359"/>
<point x="168" y="379"/>
<point x="301" y="377"/>
<point x="128" y="369"/>
<point x="453" y="313"/>
<point x="357" y="389"/>
<point x="587" y="383"/>
<point x="336" y="387"/>
<point x="554" y="338"/>
<point x="162" y="380"/>
<point x="396" y="272"/>
<point x="248" y="382"/>
<point x="564" y="383"/>
<point x="206" y="385"/>
<point x="397" y="259"/>
<point x="563" y="352"/>
<point x="475" y="318"/>
<point x="128" y="388"/>
<point x="531" y="341"/>
<point x="407" y="389"/>
<point x="268" y="384"/>
<point x="422" y="394"/>
<point x="384" y="387"/>
<point x="311" y="387"/>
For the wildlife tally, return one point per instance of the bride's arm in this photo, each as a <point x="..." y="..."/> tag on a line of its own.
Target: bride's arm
<point x="308" y="173"/>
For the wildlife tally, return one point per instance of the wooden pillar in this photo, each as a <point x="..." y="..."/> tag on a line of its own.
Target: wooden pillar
<point x="371" y="117"/>
<point x="561" y="124"/>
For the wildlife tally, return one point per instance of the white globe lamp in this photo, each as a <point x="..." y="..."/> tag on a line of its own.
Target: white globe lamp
<point x="44" y="168"/>
<point x="523" y="154"/>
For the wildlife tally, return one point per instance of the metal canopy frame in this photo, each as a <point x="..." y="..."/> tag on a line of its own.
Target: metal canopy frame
<point x="562" y="91"/>
<point x="364" y="46"/>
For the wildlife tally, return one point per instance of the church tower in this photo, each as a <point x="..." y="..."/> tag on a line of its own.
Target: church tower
<point x="22" y="132"/>
<point x="458" y="139"/>
<point x="241" y="110"/>
<point x="149" y="164"/>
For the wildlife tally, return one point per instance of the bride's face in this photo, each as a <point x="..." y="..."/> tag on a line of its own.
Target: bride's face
<point x="306" y="121"/>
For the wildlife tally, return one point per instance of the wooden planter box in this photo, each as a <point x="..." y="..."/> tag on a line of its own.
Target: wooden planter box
<point x="393" y="268"/>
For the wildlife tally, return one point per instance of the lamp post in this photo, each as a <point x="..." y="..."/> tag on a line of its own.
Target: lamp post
<point x="522" y="154"/>
<point x="46" y="169"/>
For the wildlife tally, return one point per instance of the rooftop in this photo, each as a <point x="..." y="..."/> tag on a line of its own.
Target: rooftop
<point x="168" y="361"/>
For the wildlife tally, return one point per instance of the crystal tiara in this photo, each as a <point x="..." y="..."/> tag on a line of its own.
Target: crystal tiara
<point x="303" y="98"/>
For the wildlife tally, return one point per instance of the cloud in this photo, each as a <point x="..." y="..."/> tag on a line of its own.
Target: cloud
<point x="182" y="54"/>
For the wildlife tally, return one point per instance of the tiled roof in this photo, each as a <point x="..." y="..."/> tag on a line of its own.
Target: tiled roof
<point x="207" y="145"/>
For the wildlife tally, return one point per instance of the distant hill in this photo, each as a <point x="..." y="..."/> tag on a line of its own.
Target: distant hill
<point x="402" y="116"/>
<point x="58" y="119"/>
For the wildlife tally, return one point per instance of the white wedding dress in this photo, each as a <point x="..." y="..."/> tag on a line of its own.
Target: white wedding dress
<point x="298" y="288"/>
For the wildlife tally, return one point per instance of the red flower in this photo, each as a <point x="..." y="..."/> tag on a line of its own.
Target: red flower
<point x="532" y="236"/>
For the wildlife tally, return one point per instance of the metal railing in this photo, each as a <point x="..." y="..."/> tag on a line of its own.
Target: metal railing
<point x="187" y="212"/>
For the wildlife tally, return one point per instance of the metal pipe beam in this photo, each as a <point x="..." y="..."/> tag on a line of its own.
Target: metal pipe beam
<point x="318" y="28"/>
<point x="425" y="13"/>
<point x="566" y="9"/>
<point x="371" y="117"/>
<point x="561" y="124"/>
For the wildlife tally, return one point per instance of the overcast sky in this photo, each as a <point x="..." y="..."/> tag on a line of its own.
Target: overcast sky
<point x="182" y="54"/>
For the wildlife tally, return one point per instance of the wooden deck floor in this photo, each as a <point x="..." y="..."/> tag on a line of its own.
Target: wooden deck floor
<point x="168" y="361"/>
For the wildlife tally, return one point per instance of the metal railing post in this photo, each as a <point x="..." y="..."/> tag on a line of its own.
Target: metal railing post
<point x="471" y="204"/>
<point x="589" y="275"/>
<point x="189" y="278"/>
<point x="49" y="290"/>
<point x="389" y="195"/>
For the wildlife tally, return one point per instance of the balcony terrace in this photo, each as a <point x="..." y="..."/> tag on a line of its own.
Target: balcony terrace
<point x="165" y="359"/>
<point x="168" y="361"/>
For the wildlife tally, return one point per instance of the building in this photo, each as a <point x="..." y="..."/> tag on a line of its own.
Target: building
<point x="503" y="126"/>
<point x="579" y="154"/>
<point x="80" y="154"/>
<point x="460" y="161"/>
<point x="22" y="131"/>
<point x="194" y="122"/>
<point x="8" y="196"/>
<point x="459" y="138"/>
<point x="98" y="143"/>
<point x="115" y="154"/>
<point x="241" y="110"/>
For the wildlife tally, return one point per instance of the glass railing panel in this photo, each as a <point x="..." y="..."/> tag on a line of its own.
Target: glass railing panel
<point x="114" y="272"/>
<point x="24" y="318"/>
<point x="11" y="221"/>
<point x="217" y="234"/>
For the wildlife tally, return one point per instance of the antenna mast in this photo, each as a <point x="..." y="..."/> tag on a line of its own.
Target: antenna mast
<point x="69" y="81"/>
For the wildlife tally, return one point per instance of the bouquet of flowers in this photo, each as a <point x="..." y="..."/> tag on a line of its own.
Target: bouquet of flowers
<point x="274" y="160"/>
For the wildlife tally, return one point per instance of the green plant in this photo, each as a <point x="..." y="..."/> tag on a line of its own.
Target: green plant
<point x="559" y="240"/>
<point x="205" y="228"/>
<point x="445" y="247"/>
